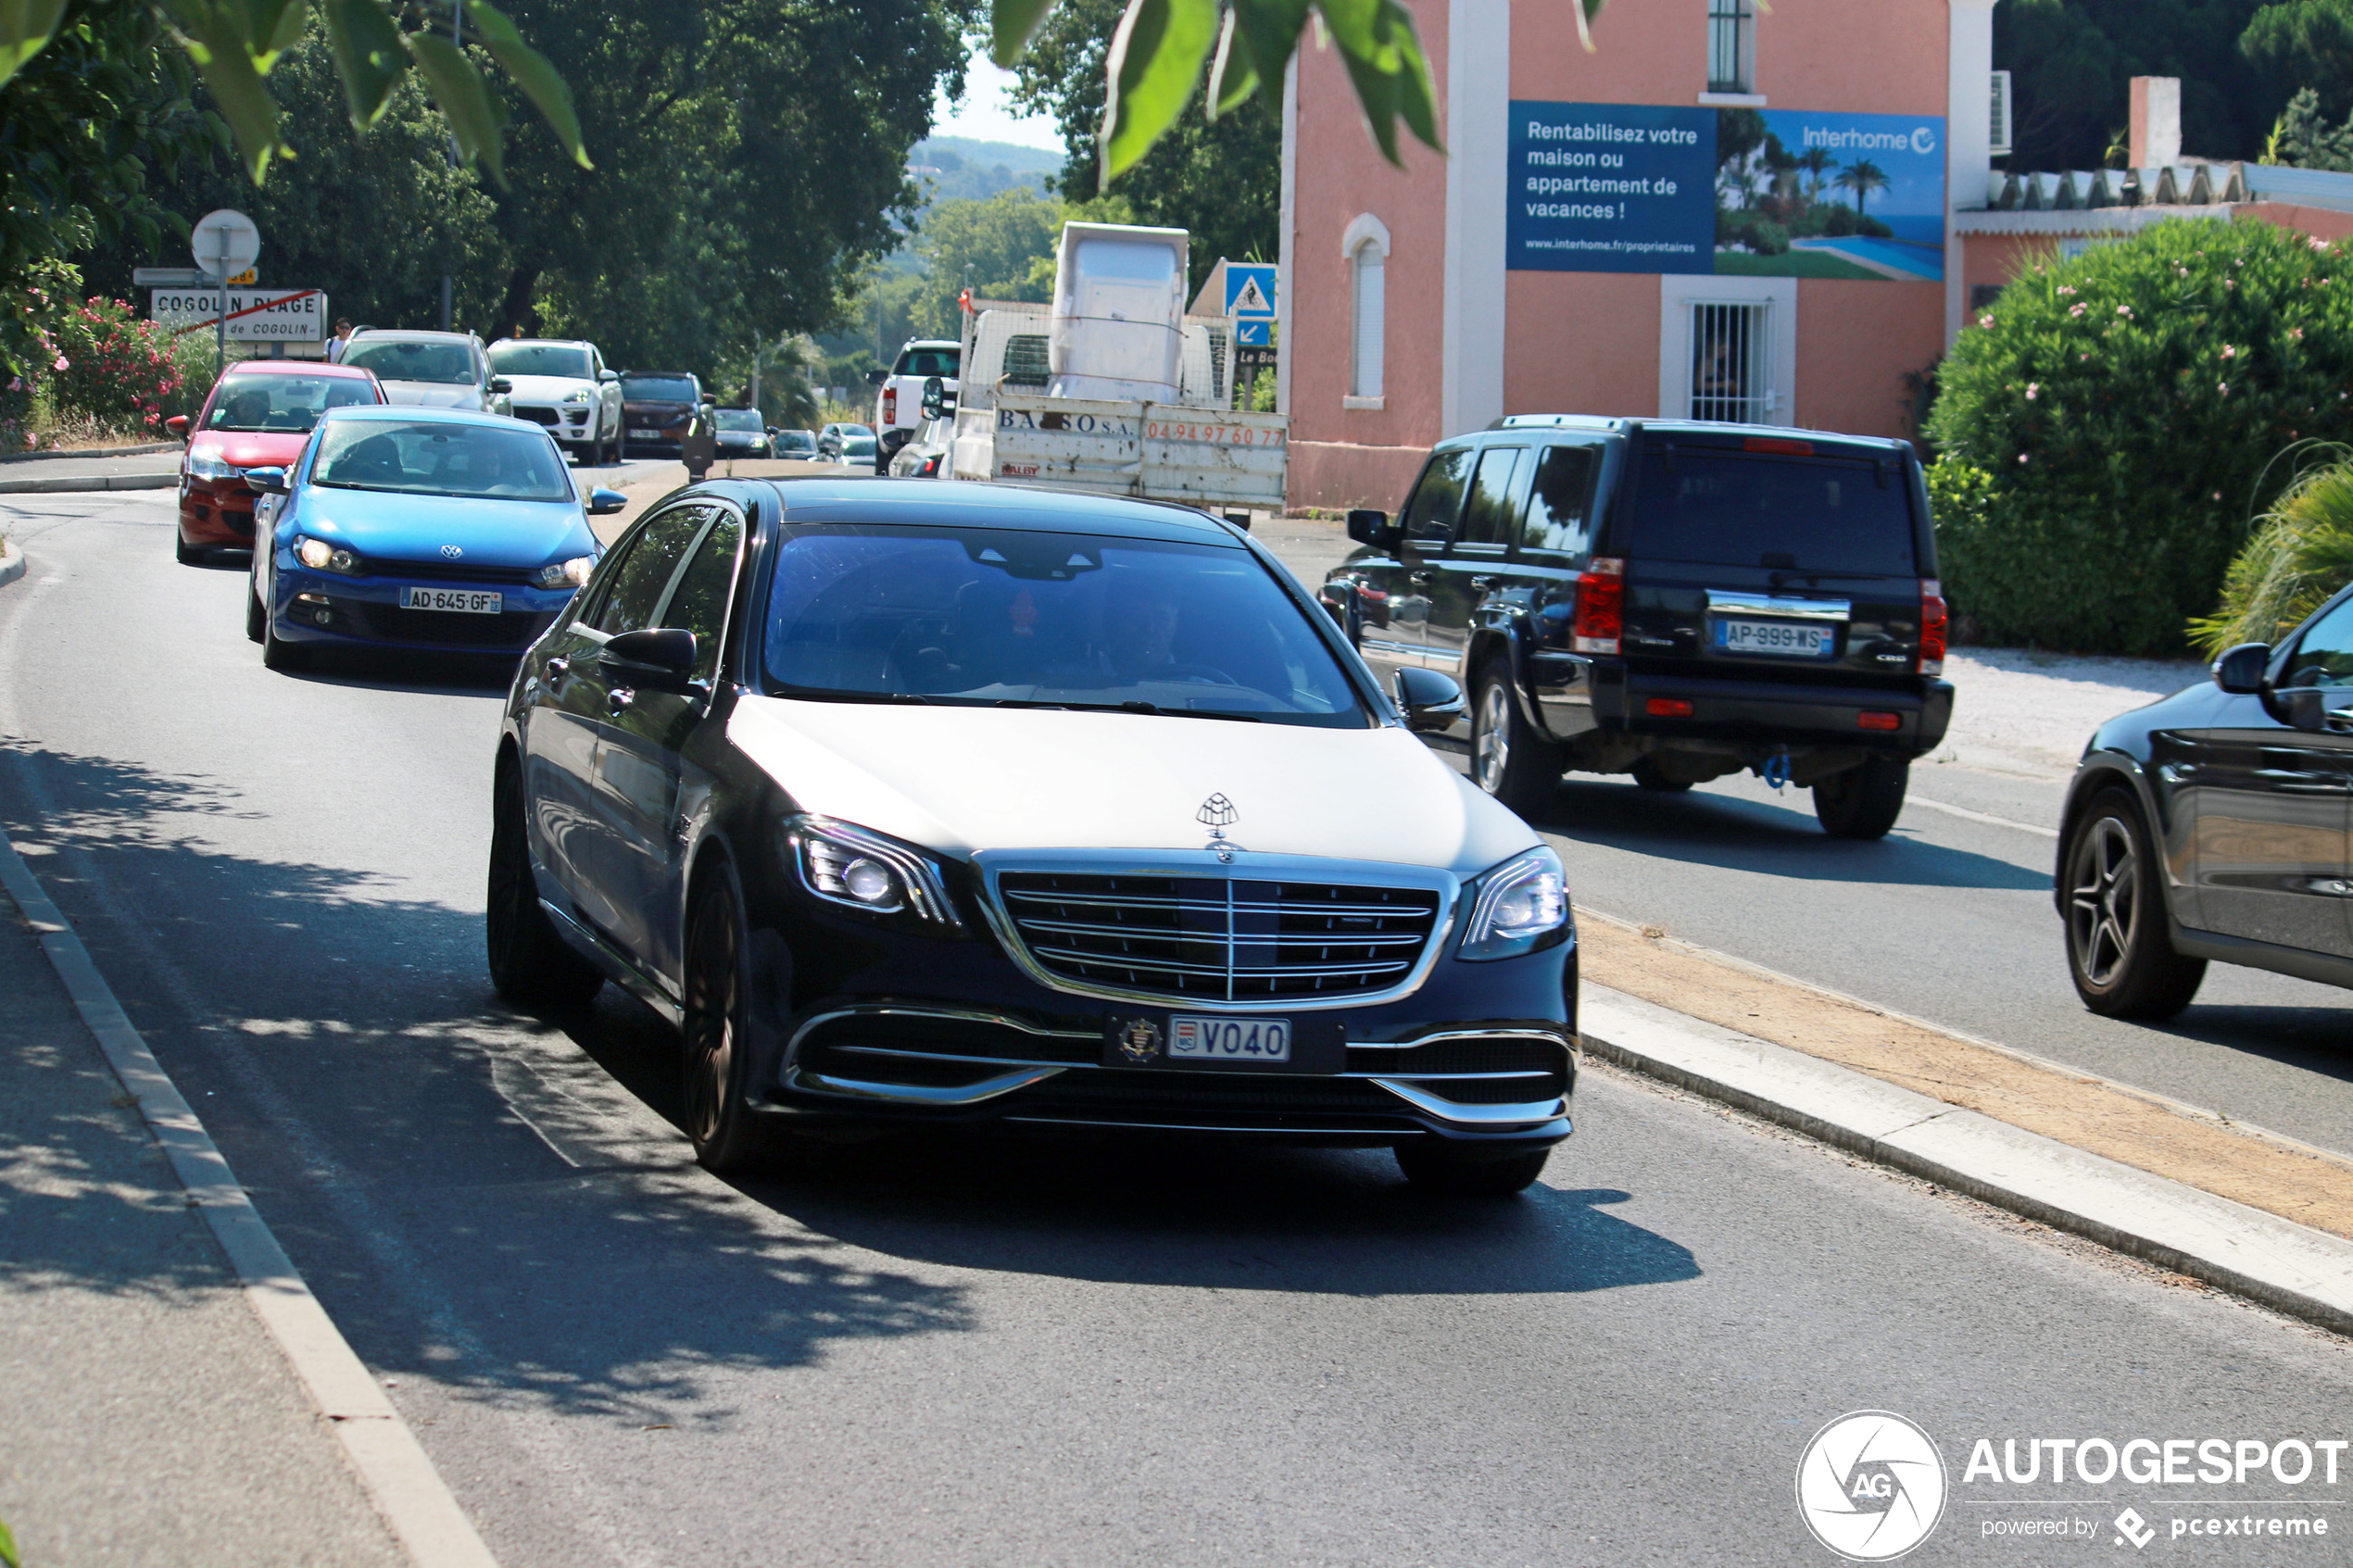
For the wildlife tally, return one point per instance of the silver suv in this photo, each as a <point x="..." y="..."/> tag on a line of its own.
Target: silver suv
<point x="431" y="369"/>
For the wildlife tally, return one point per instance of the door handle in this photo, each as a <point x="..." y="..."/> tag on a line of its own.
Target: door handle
<point x="619" y="698"/>
<point x="1483" y="584"/>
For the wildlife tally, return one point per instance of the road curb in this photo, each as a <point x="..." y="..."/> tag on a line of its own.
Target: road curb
<point x="2298" y="1270"/>
<point x="383" y="1451"/>
<point x="139" y="451"/>
<point x="89" y="482"/>
<point x="11" y="563"/>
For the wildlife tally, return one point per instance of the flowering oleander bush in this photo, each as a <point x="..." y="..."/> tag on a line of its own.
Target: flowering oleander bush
<point x="2112" y="426"/>
<point x="122" y="374"/>
<point x="30" y="307"/>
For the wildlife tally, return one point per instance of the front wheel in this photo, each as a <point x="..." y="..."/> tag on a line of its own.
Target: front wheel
<point x="2118" y="953"/>
<point x="276" y="652"/>
<point x="718" y="1065"/>
<point x="1452" y="1170"/>
<point x="257" y="617"/>
<point x="1509" y="761"/>
<point x="1862" y="802"/>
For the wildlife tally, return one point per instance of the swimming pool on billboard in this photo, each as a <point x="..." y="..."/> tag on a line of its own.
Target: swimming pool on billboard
<point x="1829" y="195"/>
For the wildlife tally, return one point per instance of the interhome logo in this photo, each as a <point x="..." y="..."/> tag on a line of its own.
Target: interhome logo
<point x="1870" y="1485"/>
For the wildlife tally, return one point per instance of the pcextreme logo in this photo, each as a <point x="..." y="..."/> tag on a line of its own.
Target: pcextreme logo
<point x="1870" y="1485"/>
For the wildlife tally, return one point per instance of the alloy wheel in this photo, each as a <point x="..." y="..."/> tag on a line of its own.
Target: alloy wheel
<point x="2103" y="900"/>
<point x="1491" y="746"/>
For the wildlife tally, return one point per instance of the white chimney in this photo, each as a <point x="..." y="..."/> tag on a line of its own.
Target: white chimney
<point x="2156" y="120"/>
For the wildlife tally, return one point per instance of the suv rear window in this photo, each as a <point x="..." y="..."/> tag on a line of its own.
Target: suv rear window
<point x="928" y="362"/>
<point x="1802" y="514"/>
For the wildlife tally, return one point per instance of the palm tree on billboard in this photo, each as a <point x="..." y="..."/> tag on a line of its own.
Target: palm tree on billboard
<point x="1862" y="177"/>
<point x="1815" y="164"/>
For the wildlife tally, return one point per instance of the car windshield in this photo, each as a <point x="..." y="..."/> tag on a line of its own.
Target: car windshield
<point x="659" y="389"/>
<point x="799" y="440"/>
<point x="541" y="359"/>
<point x="394" y="360"/>
<point x="440" y="457"/>
<point x="739" y="419"/>
<point x="1797" y="514"/>
<point x="1034" y="620"/>
<point x="858" y="446"/>
<point x="281" y="403"/>
<point x="928" y="362"/>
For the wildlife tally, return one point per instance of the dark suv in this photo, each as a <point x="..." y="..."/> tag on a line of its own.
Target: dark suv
<point x="1670" y="599"/>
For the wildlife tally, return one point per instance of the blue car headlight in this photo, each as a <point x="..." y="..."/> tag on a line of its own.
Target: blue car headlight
<point x="572" y="573"/>
<point x="320" y="555"/>
<point x="1519" y="907"/>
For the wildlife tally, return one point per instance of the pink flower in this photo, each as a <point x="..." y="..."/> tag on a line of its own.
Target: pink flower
<point x="2229" y="352"/>
<point x="2230" y="282"/>
<point x="2022" y="457"/>
<point x="2067" y="288"/>
<point x="63" y="364"/>
<point x="1985" y="321"/>
<point x="2223" y="387"/>
<point x="2033" y="390"/>
<point x="2296" y="333"/>
<point x="2125" y="311"/>
<point x="2076" y="309"/>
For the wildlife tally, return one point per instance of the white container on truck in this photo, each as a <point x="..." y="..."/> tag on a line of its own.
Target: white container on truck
<point x="1113" y="388"/>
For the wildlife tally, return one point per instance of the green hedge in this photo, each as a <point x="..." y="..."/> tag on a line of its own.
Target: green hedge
<point x="2111" y="426"/>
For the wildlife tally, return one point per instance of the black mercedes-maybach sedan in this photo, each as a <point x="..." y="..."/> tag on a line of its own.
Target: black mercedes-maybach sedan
<point x="915" y="802"/>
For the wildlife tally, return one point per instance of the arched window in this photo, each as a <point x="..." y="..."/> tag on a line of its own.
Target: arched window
<point x="1365" y="244"/>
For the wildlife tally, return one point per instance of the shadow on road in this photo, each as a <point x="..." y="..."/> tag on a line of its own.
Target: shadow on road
<point x="1715" y="830"/>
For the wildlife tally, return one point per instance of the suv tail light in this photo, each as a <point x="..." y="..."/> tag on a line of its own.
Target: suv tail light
<point x="1931" y="626"/>
<point x="890" y="406"/>
<point x="1601" y="606"/>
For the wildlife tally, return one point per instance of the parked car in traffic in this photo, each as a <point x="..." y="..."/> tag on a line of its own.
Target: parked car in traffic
<point x="738" y="433"/>
<point x="563" y="385"/>
<point x="2211" y="827"/>
<point x="258" y="415"/>
<point x="658" y="409"/>
<point x="899" y="391"/>
<point x="927" y="455"/>
<point x="800" y="443"/>
<point x="842" y="777"/>
<point x="419" y="529"/>
<point x="829" y="439"/>
<point x="857" y="452"/>
<point x="1673" y="600"/>
<point x="430" y="370"/>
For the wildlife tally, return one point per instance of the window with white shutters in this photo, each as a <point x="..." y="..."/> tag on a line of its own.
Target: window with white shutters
<point x="1368" y="271"/>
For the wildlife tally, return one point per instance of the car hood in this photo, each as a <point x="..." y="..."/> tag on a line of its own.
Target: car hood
<point x="958" y="780"/>
<point x="484" y="532"/>
<point x="432" y="394"/>
<point x="655" y="407"/>
<point x="255" y="449"/>
<point x="548" y="389"/>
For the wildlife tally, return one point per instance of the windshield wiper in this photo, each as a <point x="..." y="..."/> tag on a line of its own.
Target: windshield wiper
<point x="834" y="694"/>
<point x="1129" y="706"/>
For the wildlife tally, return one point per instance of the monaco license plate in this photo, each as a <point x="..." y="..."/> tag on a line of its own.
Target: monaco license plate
<point x="1778" y="637"/>
<point x="466" y="601"/>
<point x="1228" y="1039"/>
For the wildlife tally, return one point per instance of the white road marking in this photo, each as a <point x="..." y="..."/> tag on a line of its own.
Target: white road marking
<point x="1980" y="816"/>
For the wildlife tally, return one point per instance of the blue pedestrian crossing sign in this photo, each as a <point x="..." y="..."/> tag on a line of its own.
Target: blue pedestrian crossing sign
<point x="1249" y="292"/>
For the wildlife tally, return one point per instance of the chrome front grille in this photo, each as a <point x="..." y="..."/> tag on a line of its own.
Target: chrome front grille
<point x="1213" y="940"/>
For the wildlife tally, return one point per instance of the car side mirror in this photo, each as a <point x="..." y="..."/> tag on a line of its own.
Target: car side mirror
<point x="603" y="502"/>
<point x="500" y="386"/>
<point x="268" y="482"/>
<point x="661" y="657"/>
<point x="1429" y="700"/>
<point x="177" y="425"/>
<point x="876" y="378"/>
<point x="938" y="402"/>
<point x="1367" y="526"/>
<point x="608" y="377"/>
<point x="2240" y="670"/>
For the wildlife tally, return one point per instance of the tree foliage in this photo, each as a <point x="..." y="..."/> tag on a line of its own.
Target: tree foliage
<point x="2072" y="61"/>
<point x="2111" y="424"/>
<point x="2296" y="560"/>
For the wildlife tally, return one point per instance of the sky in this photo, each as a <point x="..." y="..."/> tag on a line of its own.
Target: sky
<point x="984" y="116"/>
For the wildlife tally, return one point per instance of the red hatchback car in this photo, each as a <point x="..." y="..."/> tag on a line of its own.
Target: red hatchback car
<point x="259" y="416"/>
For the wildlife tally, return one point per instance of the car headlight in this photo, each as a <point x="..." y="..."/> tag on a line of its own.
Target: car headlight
<point x="572" y="573"/>
<point x="320" y="555"/>
<point x="858" y="868"/>
<point x="205" y="462"/>
<point x="1520" y="906"/>
<point x="579" y="394"/>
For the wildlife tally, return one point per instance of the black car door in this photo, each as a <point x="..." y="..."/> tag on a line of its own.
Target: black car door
<point x="1473" y="563"/>
<point x="647" y="797"/>
<point x="2271" y="803"/>
<point x="1556" y="541"/>
<point x="605" y="884"/>
<point x="1393" y="587"/>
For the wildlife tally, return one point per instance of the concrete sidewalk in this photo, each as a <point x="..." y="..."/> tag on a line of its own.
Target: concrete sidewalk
<point x="147" y="1415"/>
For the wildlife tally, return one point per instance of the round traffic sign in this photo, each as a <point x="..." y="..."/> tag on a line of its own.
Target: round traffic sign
<point x="224" y="242"/>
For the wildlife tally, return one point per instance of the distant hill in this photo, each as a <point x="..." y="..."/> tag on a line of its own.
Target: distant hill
<point x="958" y="168"/>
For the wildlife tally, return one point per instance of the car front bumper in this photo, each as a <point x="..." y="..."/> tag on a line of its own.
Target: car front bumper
<point x="322" y="608"/>
<point x="216" y="511"/>
<point x="909" y="1028"/>
<point x="574" y="423"/>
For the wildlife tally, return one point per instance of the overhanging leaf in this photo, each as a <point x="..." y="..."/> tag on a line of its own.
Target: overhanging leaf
<point x="1153" y="66"/>
<point x="1009" y="24"/>
<point x="214" y="35"/>
<point x="529" y="71"/>
<point x="1586" y="11"/>
<point x="1232" y="77"/>
<point x="1269" y="30"/>
<point x="368" y="53"/>
<point x="464" y="99"/>
<point x="26" y="27"/>
<point x="273" y="27"/>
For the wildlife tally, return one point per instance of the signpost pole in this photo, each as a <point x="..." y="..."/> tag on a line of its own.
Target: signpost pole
<point x="220" y="313"/>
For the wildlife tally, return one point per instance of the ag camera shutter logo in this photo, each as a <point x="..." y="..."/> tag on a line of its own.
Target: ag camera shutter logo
<point x="1870" y="1485"/>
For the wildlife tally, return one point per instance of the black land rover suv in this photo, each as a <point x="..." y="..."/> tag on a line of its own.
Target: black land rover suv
<point x="1667" y="599"/>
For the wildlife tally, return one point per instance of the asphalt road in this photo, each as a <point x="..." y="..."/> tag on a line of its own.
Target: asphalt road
<point x="984" y="1351"/>
<point x="1948" y="919"/>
